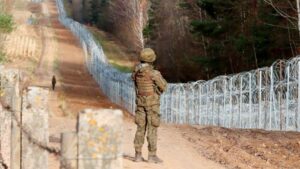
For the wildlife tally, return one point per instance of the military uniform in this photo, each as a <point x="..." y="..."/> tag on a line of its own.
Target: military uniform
<point x="149" y="85"/>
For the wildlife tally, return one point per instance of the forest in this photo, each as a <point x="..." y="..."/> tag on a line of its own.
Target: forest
<point x="243" y="35"/>
<point x="201" y="39"/>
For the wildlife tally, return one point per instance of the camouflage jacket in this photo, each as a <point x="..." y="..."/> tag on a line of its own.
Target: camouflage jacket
<point x="149" y="85"/>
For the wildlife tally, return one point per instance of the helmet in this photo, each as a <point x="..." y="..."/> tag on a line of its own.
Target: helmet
<point x="147" y="55"/>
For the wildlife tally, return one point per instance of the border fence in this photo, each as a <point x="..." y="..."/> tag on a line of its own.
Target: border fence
<point x="266" y="98"/>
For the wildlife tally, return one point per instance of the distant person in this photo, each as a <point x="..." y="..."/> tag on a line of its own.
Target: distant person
<point x="53" y="82"/>
<point x="149" y="85"/>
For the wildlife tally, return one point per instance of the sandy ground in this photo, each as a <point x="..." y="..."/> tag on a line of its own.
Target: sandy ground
<point x="181" y="147"/>
<point x="236" y="148"/>
<point x="176" y="151"/>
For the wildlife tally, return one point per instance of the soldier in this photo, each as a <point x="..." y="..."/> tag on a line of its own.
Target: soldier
<point x="149" y="85"/>
<point x="53" y="82"/>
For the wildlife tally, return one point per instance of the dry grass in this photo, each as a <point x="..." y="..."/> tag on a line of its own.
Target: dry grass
<point x="68" y="8"/>
<point x="118" y="55"/>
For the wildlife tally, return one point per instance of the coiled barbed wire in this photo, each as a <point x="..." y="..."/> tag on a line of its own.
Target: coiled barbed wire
<point x="265" y="98"/>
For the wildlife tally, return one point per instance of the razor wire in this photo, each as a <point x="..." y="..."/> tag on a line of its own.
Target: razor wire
<point x="265" y="98"/>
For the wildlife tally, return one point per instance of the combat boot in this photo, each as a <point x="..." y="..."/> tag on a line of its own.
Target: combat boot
<point x="138" y="157"/>
<point x="154" y="159"/>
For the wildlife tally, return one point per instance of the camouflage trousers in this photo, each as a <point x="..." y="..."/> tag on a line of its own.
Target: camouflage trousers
<point x="147" y="120"/>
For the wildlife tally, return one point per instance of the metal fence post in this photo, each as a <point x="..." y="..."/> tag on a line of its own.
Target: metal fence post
<point x="271" y="99"/>
<point x="224" y="112"/>
<point x="240" y="102"/>
<point x="200" y="102"/>
<point x="207" y="105"/>
<point x="287" y="98"/>
<point x="298" y="112"/>
<point x="183" y="110"/>
<point x="250" y="100"/>
<point x="259" y="100"/>
<point x="172" y="103"/>
<point x="178" y="110"/>
<point x="230" y="102"/>
<point x="214" y="104"/>
<point x="192" y="111"/>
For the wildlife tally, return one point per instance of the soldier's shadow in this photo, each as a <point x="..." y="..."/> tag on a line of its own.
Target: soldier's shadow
<point x="131" y="158"/>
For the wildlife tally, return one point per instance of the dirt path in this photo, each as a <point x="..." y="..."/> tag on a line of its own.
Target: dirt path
<point x="76" y="90"/>
<point x="176" y="151"/>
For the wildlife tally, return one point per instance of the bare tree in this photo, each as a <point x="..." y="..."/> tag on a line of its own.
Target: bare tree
<point x="131" y="14"/>
<point x="294" y="20"/>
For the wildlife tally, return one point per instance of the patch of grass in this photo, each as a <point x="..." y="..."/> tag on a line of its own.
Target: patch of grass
<point x="68" y="8"/>
<point x="3" y="58"/>
<point x="6" y="23"/>
<point x="184" y="5"/>
<point x="148" y="30"/>
<point x="55" y="64"/>
<point x="117" y="57"/>
<point x="124" y="69"/>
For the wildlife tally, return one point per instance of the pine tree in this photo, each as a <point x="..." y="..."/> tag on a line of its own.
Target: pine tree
<point x="242" y="35"/>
